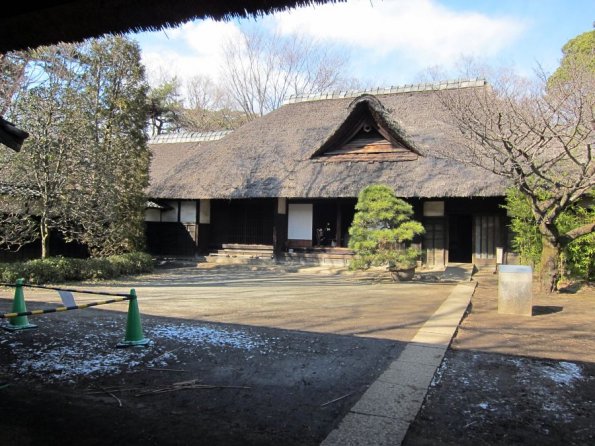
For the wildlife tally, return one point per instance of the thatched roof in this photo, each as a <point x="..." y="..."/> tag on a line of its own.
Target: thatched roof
<point x="276" y="155"/>
<point x="31" y="24"/>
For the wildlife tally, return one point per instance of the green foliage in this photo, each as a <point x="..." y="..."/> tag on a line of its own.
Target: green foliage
<point x="527" y="238"/>
<point x="83" y="170"/>
<point x="578" y="52"/>
<point x="577" y="258"/>
<point x="109" y="212"/>
<point x="164" y="105"/>
<point x="382" y="230"/>
<point x="62" y="269"/>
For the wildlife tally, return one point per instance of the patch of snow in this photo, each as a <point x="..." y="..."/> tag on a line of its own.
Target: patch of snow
<point x="198" y="335"/>
<point x="70" y="357"/>
<point x="564" y="373"/>
<point x="484" y="406"/>
<point x="438" y="374"/>
<point x="553" y="403"/>
<point x="64" y="363"/>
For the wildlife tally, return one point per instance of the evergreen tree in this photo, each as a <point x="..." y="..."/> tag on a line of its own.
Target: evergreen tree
<point x="382" y="230"/>
<point x="108" y="209"/>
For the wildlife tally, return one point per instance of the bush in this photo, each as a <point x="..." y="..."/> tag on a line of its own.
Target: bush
<point x="62" y="269"/>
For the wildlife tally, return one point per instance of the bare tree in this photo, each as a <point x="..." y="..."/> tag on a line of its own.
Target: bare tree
<point x="209" y="107"/>
<point x="40" y="175"/>
<point x="539" y="137"/>
<point x="83" y="170"/>
<point x="13" y="77"/>
<point x="260" y="71"/>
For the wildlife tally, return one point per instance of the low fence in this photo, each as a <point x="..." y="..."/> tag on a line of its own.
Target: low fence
<point x="18" y="317"/>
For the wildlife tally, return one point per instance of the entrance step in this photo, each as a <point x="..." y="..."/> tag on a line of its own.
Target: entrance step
<point x="317" y="258"/>
<point x="458" y="272"/>
<point x="242" y="254"/>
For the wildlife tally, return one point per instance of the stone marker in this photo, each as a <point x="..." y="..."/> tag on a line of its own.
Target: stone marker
<point x="515" y="289"/>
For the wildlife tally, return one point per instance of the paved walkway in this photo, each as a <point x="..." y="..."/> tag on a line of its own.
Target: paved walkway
<point x="383" y="414"/>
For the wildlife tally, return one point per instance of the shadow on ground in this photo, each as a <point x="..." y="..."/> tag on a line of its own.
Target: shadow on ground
<point x="68" y="385"/>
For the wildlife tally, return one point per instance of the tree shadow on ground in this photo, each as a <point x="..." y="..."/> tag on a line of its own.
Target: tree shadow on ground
<point x="271" y="386"/>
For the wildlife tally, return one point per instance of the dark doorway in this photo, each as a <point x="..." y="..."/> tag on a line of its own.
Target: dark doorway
<point x="325" y="223"/>
<point x="243" y="221"/>
<point x="460" y="238"/>
<point x="331" y="221"/>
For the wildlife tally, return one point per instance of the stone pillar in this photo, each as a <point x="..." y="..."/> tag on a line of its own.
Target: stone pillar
<point x="204" y="226"/>
<point x="280" y="228"/>
<point x="515" y="289"/>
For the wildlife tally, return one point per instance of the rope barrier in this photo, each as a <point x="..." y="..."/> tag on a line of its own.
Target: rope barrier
<point x="72" y="290"/>
<point x="18" y="317"/>
<point x="72" y="307"/>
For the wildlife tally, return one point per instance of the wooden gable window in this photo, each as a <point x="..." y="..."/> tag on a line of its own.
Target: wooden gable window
<point x="367" y="143"/>
<point x="367" y="134"/>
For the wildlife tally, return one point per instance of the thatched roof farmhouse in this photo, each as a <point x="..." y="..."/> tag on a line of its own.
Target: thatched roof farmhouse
<point x="278" y="180"/>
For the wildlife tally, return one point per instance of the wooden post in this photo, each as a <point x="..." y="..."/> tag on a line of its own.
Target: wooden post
<point x="280" y="228"/>
<point x="204" y="226"/>
<point x="338" y="232"/>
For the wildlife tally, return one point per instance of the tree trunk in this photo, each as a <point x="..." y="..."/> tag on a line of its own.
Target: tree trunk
<point x="45" y="238"/>
<point x="549" y="273"/>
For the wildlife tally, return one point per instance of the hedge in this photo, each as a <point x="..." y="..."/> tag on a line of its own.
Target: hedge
<point x="63" y="269"/>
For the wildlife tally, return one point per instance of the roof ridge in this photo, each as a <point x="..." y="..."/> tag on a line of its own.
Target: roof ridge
<point x="176" y="137"/>
<point x="407" y="88"/>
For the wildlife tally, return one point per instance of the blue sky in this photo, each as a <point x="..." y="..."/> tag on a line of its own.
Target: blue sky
<point x="392" y="42"/>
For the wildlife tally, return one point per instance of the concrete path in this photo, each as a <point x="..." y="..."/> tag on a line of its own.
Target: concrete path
<point x="383" y="414"/>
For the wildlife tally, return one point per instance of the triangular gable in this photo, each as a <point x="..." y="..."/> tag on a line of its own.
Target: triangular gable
<point x="367" y="134"/>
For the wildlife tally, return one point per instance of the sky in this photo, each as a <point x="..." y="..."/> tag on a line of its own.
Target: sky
<point x="390" y="42"/>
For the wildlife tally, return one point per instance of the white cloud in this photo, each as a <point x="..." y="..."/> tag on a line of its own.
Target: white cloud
<point x="390" y="41"/>
<point x="423" y="31"/>
<point x="191" y="49"/>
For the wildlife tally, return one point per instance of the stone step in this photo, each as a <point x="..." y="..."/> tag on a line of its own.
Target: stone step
<point x="243" y="260"/>
<point x="250" y="247"/>
<point x="301" y="259"/>
<point x="314" y="255"/>
<point x="231" y="253"/>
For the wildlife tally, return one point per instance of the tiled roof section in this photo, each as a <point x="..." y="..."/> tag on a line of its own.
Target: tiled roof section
<point x="171" y="138"/>
<point x="446" y="85"/>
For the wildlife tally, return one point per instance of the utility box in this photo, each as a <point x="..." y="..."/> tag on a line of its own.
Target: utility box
<point x="515" y="289"/>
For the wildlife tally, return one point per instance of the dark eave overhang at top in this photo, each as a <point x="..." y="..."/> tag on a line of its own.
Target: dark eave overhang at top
<point x="31" y="24"/>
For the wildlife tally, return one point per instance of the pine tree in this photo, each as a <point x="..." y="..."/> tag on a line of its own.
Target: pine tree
<point x="382" y="230"/>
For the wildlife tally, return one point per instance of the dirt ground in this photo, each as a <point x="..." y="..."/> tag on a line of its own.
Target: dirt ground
<point x="515" y="380"/>
<point x="244" y="357"/>
<point x="269" y="386"/>
<point x="250" y="357"/>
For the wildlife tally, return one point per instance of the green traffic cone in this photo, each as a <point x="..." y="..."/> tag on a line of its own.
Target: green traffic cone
<point x="134" y="331"/>
<point x="18" y="306"/>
